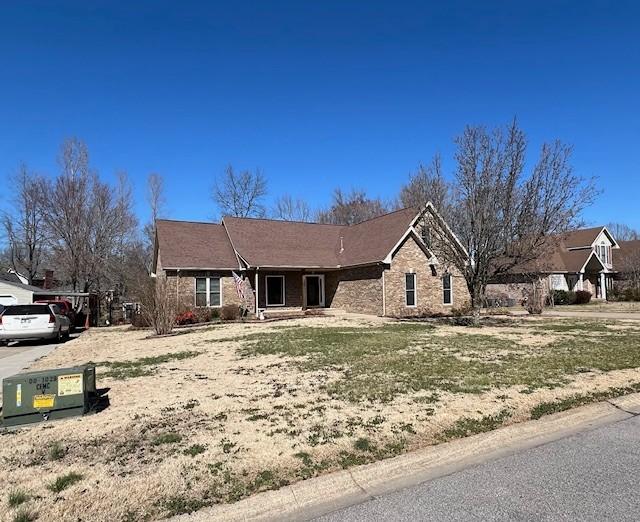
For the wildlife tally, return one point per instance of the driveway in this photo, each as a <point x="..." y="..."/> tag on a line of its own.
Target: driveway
<point x="18" y="356"/>
<point x="589" y="476"/>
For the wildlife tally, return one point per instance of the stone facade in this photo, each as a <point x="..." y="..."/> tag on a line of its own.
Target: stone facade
<point x="356" y="290"/>
<point x="410" y="258"/>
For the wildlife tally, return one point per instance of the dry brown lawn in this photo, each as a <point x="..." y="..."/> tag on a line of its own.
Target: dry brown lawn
<point x="218" y="413"/>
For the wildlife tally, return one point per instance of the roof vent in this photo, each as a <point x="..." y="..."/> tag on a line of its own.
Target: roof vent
<point x="341" y="244"/>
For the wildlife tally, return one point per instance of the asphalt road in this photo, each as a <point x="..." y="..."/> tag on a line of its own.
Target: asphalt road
<point x="589" y="476"/>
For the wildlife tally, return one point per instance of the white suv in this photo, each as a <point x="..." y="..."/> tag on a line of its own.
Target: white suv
<point x="34" y="321"/>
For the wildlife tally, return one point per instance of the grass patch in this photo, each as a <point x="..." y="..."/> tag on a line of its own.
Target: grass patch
<point x="195" y="449"/>
<point x="380" y="363"/>
<point x="56" y="451"/>
<point x="468" y="426"/>
<point x="144" y="366"/>
<point x="180" y="505"/>
<point x="166" y="438"/>
<point x="548" y="408"/>
<point x="24" y="515"/>
<point x="64" y="481"/>
<point x="17" y="497"/>
<point x="363" y="444"/>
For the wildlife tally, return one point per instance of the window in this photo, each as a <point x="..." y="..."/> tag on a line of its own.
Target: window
<point x="604" y="253"/>
<point x="426" y="236"/>
<point x="275" y="290"/>
<point x="410" y="289"/>
<point x="208" y="291"/>
<point x="447" y="291"/>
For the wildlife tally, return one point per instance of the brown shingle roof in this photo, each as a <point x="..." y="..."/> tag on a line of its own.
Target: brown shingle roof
<point x="266" y="242"/>
<point x="583" y="237"/>
<point x="185" y="244"/>
<point x="628" y="249"/>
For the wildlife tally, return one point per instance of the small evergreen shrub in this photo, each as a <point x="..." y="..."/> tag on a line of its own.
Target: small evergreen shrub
<point x="583" y="297"/>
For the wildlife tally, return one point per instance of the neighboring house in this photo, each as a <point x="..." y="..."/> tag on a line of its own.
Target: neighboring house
<point x="577" y="260"/>
<point x="12" y="292"/>
<point x="381" y="266"/>
<point x="13" y="276"/>
<point x="627" y="263"/>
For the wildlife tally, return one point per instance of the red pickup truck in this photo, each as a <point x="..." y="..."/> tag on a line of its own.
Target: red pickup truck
<point x="65" y="306"/>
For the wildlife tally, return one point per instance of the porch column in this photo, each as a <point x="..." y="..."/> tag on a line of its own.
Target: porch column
<point x="257" y="290"/>
<point x="581" y="281"/>
<point x="603" y="286"/>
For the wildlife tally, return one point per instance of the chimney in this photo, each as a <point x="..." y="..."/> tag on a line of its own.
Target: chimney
<point x="48" y="280"/>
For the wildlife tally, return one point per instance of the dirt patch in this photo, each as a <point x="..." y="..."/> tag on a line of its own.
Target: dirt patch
<point x="253" y="407"/>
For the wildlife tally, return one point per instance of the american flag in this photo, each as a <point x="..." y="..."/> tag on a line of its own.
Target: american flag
<point x="239" y="285"/>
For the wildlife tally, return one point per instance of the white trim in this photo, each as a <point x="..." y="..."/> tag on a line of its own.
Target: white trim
<point x="593" y="253"/>
<point x="410" y="232"/>
<point x="450" y="289"/>
<point x="305" y="293"/>
<point x="207" y="287"/>
<point x="266" y="290"/>
<point x="414" y="290"/>
<point x="384" y="295"/>
<point x="257" y="283"/>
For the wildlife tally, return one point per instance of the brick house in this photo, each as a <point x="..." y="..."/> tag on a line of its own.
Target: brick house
<point x="577" y="260"/>
<point x="385" y="266"/>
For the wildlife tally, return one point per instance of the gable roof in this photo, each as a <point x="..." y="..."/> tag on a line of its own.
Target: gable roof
<point x="187" y="244"/>
<point x="585" y="237"/>
<point x="273" y="243"/>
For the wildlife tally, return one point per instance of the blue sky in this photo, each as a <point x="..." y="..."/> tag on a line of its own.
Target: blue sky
<point x="317" y="94"/>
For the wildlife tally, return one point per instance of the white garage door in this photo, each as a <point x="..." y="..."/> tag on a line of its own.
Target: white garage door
<point x="7" y="300"/>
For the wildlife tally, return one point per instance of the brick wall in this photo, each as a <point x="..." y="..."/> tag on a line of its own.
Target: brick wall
<point x="410" y="258"/>
<point x="185" y="282"/>
<point x="292" y="288"/>
<point x="357" y="290"/>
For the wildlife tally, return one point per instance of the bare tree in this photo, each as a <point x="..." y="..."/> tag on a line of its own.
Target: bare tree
<point x="289" y="209"/>
<point x="352" y="208"/>
<point x="156" y="200"/>
<point x="623" y="232"/>
<point x="240" y="194"/>
<point x="89" y="222"/>
<point x="159" y="305"/>
<point x="427" y="184"/>
<point x="504" y="217"/>
<point x="24" y="226"/>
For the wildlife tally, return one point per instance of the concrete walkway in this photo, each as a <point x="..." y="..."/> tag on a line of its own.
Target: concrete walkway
<point x="319" y="496"/>
<point x="19" y="356"/>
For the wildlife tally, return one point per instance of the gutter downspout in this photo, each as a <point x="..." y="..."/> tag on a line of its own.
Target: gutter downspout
<point x="177" y="285"/>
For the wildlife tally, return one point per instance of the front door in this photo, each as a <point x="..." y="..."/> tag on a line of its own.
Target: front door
<point x="314" y="290"/>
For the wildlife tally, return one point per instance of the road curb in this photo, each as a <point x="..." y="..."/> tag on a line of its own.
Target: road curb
<point x="310" y="498"/>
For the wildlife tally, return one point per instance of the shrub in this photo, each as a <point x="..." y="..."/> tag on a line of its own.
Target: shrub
<point x="562" y="297"/>
<point x="187" y="317"/>
<point x="583" y="297"/>
<point x="461" y="311"/>
<point x="229" y="312"/>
